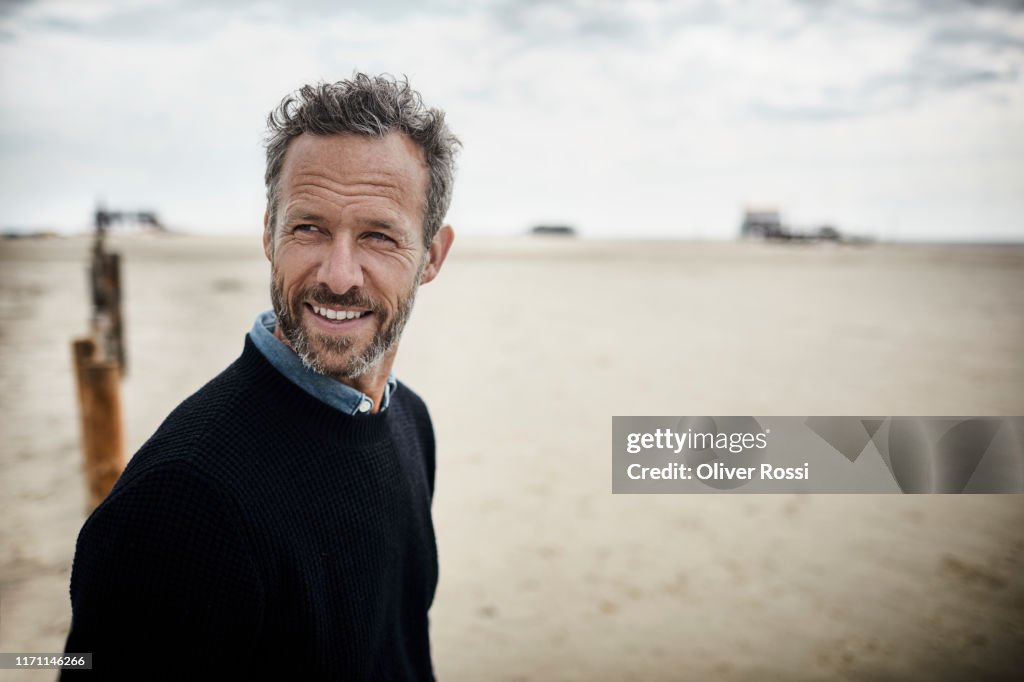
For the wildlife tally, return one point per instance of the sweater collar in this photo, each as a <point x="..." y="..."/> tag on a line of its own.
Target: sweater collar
<point x="323" y="388"/>
<point x="276" y="392"/>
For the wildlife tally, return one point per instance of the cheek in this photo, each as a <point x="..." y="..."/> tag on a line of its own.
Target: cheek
<point x="293" y="274"/>
<point x="393" y="279"/>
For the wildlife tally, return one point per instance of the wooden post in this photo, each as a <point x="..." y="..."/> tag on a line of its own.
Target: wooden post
<point x="107" y="321"/>
<point x="117" y="324"/>
<point x="99" y="400"/>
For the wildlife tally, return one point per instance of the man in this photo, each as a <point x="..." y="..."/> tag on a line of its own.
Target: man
<point x="278" y="522"/>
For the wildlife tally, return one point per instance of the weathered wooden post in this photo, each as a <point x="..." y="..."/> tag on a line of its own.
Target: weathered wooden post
<point x="105" y="278"/>
<point x="99" y="365"/>
<point x="99" y="400"/>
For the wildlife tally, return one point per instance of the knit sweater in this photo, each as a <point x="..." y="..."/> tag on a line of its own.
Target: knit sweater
<point x="261" y="531"/>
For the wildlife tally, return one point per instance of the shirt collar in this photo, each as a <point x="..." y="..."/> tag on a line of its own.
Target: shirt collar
<point x="323" y="388"/>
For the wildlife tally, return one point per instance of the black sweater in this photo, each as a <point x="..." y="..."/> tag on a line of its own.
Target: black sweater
<point x="261" y="531"/>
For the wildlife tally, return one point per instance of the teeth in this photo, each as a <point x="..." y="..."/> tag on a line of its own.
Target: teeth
<point x="337" y="314"/>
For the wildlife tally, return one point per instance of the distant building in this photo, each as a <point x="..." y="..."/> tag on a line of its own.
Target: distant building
<point x="767" y="224"/>
<point x="762" y="223"/>
<point x="553" y="231"/>
<point x="145" y="220"/>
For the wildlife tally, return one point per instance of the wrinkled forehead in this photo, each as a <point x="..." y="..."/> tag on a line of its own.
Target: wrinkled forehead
<point x="348" y="160"/>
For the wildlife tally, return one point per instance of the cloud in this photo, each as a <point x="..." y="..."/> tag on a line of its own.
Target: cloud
<point x="996" y="39"/>
<point x="188" y="20"/>
<point x="907" y="54"/>
<point x="591" y="112"/>
<point x="11" y="7"/>
<point x="1009" y="5"/>
<point x="905" y="11"/>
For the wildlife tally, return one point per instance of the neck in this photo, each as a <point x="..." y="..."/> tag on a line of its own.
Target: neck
<point x="371" y="382"/>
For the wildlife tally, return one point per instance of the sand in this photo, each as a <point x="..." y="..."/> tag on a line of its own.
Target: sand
<point x="524" y="349"/>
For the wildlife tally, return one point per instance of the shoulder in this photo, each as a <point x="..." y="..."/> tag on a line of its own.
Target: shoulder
<point x="165" y="558"/>
<point x="170" y="493"/>
<point x="167" y="518"/>
<point x="409" y="399"/>
<point x="413" y="431"/>
<point x="410" y="410"/>
<point x="223" y="417"/>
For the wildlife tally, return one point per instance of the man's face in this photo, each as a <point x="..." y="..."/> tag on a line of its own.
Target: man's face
<point x="347" y="252"/>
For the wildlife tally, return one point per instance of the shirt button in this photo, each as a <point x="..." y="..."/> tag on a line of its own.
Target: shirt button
<point x="364" y="406"/>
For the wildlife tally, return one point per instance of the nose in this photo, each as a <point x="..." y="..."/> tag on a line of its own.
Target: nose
<point x="340" y="269"/>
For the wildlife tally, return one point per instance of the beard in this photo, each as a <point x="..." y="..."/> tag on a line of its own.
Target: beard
<point x="336" y="355"/>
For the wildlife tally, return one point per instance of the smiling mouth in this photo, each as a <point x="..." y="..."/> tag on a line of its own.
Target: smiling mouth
<point x="337" y="315"/>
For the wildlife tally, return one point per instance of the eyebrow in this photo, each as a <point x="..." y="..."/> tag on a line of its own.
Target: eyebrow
<point x="377" y="223"/>
<point x="305" y="216"/>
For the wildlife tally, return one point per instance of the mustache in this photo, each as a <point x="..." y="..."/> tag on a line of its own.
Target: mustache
<point x="353" y="298"/>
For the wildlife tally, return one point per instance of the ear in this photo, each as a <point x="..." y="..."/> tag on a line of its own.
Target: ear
<point x="437" y="252"/>
<point x="268" y="239"/>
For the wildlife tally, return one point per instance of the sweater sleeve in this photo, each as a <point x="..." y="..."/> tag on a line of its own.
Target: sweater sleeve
<point x="163" y="584"/>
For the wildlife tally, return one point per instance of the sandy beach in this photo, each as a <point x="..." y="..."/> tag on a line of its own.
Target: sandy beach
<point x="524" y="349"/>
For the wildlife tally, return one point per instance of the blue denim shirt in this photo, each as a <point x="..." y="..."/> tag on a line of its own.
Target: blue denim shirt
<point x="323" y="388"/>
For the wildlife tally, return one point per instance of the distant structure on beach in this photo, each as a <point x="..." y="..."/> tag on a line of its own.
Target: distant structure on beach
<point x="766" y="223"/>
<point x="553" y="231"/>
<point x="13" y="233"/>
<point x="147" y="220"/>
<point x="762" y="223"/>
<point x="103" y="221"/>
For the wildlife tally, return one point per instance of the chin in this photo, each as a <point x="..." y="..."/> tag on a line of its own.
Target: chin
<point x="341" y="365"/>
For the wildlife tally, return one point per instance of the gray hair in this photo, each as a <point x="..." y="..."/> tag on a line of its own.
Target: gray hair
<point x="365" y="105"/>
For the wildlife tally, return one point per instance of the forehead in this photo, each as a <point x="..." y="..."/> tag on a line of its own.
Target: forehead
<point x="392" y="166"/>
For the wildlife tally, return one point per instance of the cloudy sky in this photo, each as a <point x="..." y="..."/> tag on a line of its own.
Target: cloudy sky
<point x="902" y="119"/>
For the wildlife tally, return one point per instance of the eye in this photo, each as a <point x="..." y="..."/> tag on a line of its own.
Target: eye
<point x="379" y="236"/>
<point x="306" y="228"/>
